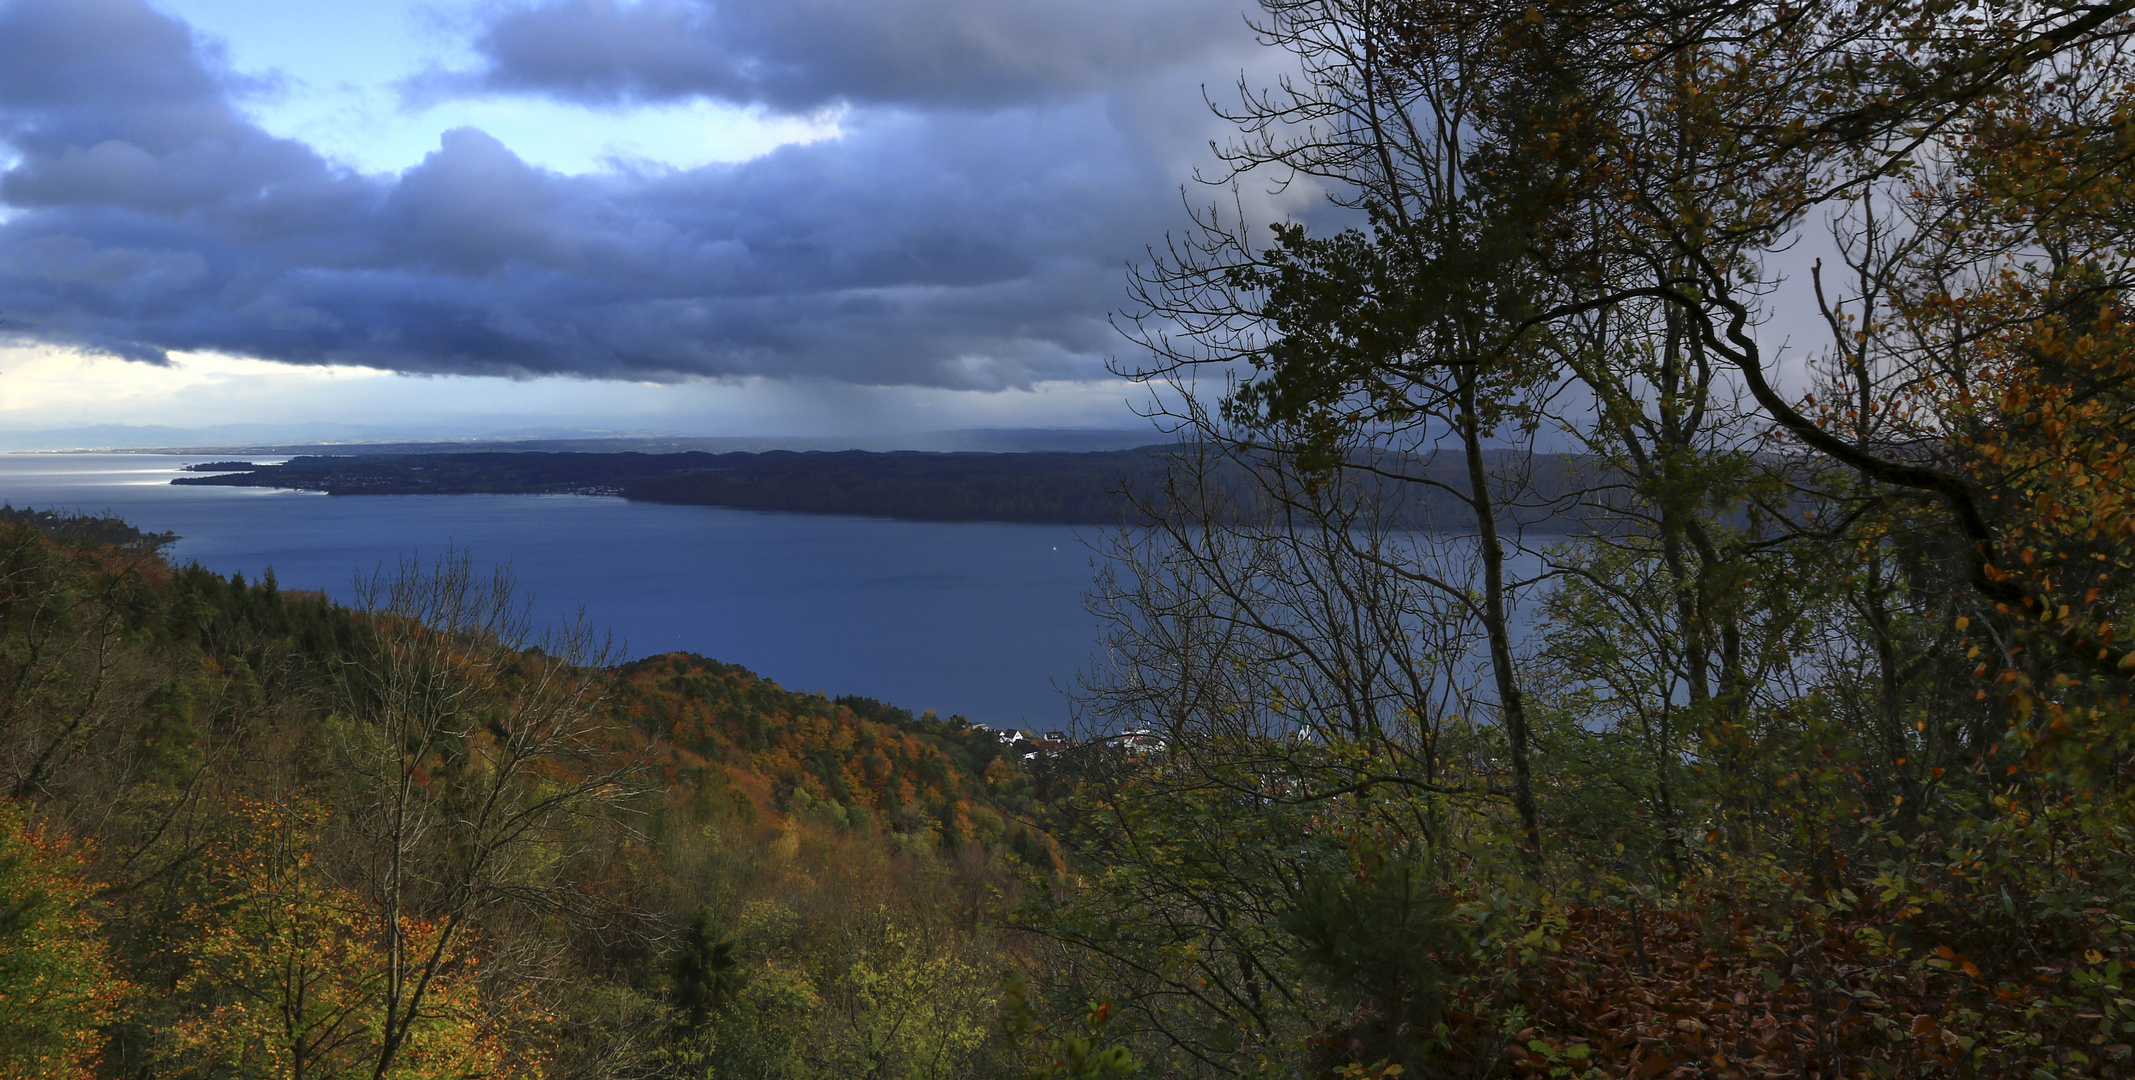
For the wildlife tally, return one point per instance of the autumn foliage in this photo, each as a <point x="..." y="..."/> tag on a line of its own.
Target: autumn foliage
<point x="258" y="834"/>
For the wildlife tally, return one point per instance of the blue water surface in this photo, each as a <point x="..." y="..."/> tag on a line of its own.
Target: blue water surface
<point x="974" y="618"/>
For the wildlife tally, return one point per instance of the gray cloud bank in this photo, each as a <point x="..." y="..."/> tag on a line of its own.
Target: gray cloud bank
<point x="804" y="54"/>
<point x="968" y="231"/>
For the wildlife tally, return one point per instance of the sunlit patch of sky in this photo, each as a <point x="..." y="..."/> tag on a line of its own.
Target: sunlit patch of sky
<point x="45" y="388"/>
<point x="341" y="78"/>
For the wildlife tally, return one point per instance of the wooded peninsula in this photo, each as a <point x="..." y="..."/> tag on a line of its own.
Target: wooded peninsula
<point x="1033" y="487"/>
<point x="1093" y="488"/>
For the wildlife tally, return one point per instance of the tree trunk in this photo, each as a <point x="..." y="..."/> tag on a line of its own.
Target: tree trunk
<point x="1512" y="708"/>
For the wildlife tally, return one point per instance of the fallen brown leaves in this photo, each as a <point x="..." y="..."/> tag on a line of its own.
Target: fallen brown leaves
<point x="1803" y="991"/>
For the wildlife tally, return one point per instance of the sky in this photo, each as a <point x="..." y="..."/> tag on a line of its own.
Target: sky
<point x="745" y="217"/>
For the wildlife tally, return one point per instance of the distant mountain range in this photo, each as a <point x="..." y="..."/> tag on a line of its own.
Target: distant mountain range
<point x="1034" y="486"/>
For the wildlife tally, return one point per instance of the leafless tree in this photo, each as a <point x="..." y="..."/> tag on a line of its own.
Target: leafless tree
<point x="471" y="751"/>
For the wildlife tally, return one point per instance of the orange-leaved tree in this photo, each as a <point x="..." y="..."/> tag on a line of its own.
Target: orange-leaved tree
<point x="289" y="977"/>
<point x="57" y="989"/>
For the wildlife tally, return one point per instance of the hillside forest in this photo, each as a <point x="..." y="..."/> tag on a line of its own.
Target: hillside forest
<point x="250" y="832"/>
<point x="1811" y="759"/>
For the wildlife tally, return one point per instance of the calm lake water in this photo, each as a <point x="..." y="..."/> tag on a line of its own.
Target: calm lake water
<point x="979" y="619"/>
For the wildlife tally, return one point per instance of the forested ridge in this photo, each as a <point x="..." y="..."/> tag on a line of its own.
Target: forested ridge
<point x="93" y="528"/>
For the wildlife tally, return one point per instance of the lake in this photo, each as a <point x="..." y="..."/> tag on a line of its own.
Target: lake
<point x="974" y="618"/>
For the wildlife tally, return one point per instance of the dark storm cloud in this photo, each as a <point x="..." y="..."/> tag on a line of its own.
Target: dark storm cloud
<point x="802" y="54"/>
<point x="969" y="247"/>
